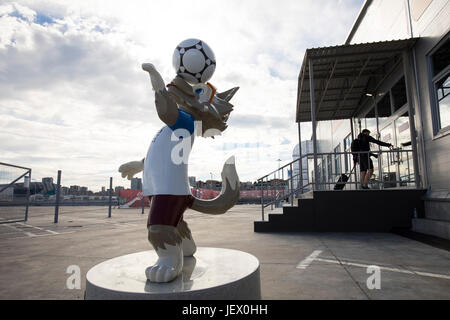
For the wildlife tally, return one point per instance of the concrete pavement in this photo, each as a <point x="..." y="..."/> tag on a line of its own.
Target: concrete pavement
<point x="34" y="256"/>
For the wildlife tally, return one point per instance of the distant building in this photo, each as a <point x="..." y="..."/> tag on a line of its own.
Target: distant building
<point x="64" y="191"/>
<point x="49" y="187"/>
<point x="247" y="185"/>
<point x="83" y="191"/>
<point x="117" y="190"/>
<point x="213" y="184"/>
<point x="136" y="184"/>
<point x="74" y="190"/>
<point x="7" y="194"/>
<point x="192" y="181"/>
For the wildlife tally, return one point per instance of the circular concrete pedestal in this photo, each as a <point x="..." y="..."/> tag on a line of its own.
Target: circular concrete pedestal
<point x="212" y="274"/>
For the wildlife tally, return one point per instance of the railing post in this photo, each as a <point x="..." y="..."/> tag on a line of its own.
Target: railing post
<point x="58" y="188"/>
<point x="262" y="198"/>
<point x="300" y="161"/>
<point x="409" y="172"/>
<point x="313" y="120"/>
<point x="380" y="169"/>
<point x="110" y="196"/>
<point x="292" y="185"/>
<point x="27" y="183"/>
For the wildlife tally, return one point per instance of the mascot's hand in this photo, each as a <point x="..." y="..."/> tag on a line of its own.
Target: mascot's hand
<point x="129" y="169"/>
<point x="157" y="81"/>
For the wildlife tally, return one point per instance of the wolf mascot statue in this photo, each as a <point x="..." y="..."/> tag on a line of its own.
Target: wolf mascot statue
<point x="187" y="110"/>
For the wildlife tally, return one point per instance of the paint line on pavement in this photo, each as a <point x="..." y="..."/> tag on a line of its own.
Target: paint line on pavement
<point x="309" y="259"/>
<point x="425" y="274"/>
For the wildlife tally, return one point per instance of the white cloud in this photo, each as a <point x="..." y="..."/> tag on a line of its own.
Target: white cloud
<point x="73" y="97"/>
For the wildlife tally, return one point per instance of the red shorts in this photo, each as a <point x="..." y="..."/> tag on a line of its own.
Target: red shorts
<point x="168" y="209"/>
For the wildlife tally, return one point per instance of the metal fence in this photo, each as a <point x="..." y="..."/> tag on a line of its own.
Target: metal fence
<point x="20" y="196"/>
<point x="391" y="169"/>
<point x="14" y="192"/>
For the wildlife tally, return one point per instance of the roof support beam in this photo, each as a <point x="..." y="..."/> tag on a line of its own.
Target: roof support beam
<point x="388" y="52"/>
<point x="379" y="83"/>
<point x="326" y="85"/>
<point x="337" y="89"/>
<point x="313" y="119"/>
<point x="353" y="84"/>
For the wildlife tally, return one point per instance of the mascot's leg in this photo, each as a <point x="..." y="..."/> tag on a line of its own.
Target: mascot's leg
<point x="188" y="243"/>
<point x="166" y="212"/>
<point x="167" y="243"/>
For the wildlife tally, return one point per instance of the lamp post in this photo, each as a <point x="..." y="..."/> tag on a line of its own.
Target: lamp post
<point x="211" y="183"/>
<point x="279" y="161"/>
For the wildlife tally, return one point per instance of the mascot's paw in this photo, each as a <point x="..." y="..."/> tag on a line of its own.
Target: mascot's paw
<point x="157" y="80"/>
<point x="161" y="273"/>
<point x="168" y="266"/>
<point x="148" y="67"/>
<point x="129" y="169"/>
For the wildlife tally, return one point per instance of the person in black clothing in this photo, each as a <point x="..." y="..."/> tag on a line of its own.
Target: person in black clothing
<point x="365" y="163"/>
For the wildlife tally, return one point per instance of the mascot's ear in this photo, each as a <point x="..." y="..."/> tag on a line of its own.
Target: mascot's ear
<point x="227" y="95"/>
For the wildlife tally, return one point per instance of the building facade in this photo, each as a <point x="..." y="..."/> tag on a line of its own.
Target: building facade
<point x="407" y="105"/>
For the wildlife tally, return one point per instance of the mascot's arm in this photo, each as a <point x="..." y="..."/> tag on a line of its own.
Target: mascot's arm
<point x="129" y="169"/>
<point x="165" y="106"/>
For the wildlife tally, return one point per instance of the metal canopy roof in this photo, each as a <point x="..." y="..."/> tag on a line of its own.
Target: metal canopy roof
<point x="343" y="75"/>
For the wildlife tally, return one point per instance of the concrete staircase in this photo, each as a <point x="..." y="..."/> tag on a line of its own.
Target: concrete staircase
<point x="436" y="221"/>
<point x="347" y="211"/>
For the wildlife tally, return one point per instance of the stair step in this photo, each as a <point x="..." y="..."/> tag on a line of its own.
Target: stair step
<point x="349" y="211"/>
<point x="436" y="228"/>
<point x="437" y="210"/>
<point x="271" y="226"/>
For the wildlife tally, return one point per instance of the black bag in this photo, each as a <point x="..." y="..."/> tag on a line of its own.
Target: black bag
<point x="342" y="180"/>
<point x="355" y="147"/>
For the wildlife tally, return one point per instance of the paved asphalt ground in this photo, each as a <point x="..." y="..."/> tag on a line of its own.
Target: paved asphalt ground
<point x="35" y="256"/>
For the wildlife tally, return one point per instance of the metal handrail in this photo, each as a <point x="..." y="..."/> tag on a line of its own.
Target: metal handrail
<point x="396" y="160"/>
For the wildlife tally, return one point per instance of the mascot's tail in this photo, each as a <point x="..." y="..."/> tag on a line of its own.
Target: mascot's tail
<point x="228" y="196"/>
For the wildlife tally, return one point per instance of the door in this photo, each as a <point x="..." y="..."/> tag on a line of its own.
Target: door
<point x="405" y="159"/>
<point x="388" y="163"/>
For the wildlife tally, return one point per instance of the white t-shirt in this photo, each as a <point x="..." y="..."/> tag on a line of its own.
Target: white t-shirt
<point x="166" y="163"/>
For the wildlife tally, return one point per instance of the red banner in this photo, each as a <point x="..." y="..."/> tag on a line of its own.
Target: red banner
<point x="133" y="198"/>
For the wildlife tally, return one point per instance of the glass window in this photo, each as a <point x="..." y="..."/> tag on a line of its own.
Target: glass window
<point x="440" y="61"/>
<point x="384" y="107"/>
<point x="388" y="162"/>
<point x="371" y="121"/>
<point x="348" y="158"/>
<point x="330" y="169"/>
<point x="337" y="159"/>
<point x="347" y="142"/>
<point x="405" y="159"/>
<point x="402" y="130"/>
<point x="399" y="94"/>
<point x="443" y="101"/>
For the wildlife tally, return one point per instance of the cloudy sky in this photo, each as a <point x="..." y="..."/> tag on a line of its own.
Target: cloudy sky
<point x="73" y="96"/>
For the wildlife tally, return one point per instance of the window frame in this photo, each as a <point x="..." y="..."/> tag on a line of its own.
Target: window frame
<point x="347" y="149"/>
<point x="438" y="131"/>
<point x="337" y="159"/>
